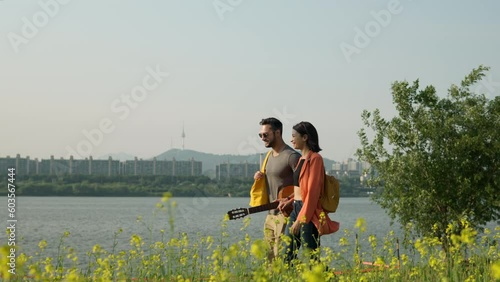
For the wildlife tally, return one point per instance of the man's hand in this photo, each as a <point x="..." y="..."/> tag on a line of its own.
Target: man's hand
<point x="258" y="175"/>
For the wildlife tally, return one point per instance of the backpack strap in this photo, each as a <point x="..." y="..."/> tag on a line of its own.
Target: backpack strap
<point x="308" y="159"/>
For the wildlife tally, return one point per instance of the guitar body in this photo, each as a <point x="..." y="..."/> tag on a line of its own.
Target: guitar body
<point x="242" y="212"/>
<point x="285" y="192"/>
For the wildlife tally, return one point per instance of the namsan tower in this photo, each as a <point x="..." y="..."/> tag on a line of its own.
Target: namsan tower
<point x="183" y="135"/>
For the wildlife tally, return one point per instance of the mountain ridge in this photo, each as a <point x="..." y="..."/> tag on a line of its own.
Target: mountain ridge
<point x="210" y="161"/>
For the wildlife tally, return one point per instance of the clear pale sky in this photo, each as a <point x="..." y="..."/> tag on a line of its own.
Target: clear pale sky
<point x="100" y="67"/>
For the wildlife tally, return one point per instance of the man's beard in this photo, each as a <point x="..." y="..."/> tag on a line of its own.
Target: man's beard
<point x="270" y="144"/>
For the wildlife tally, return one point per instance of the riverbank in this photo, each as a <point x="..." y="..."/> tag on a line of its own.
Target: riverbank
<point x="145" y="186"/>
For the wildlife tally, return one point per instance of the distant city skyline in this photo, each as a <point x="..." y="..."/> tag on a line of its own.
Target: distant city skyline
<point x="94" y="78"/>
<point x="172" y="162"/>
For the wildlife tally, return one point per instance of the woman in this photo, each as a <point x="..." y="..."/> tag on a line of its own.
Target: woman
<point x="307" y="221"/>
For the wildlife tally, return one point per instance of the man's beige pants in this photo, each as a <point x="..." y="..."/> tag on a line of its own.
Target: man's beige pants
<point x="274" y="226"/>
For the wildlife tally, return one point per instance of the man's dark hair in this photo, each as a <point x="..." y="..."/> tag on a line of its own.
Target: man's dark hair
<point x="274" y="123"/>
<point x="306" y="128"/>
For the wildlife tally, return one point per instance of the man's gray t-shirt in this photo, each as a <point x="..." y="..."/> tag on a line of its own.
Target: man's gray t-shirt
<point x="279" y="171"/>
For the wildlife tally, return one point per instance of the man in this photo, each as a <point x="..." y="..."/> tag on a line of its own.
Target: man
<point x="279" y="174"/>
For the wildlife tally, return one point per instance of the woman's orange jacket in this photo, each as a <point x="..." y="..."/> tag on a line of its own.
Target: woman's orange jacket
<point x="311" y="182"/>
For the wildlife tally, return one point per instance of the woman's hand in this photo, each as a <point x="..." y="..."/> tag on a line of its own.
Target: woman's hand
<point x="284" y="202"/>
<point x="295" y="229"/>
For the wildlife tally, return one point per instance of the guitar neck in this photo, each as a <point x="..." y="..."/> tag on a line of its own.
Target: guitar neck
<point x="265" y="207"/>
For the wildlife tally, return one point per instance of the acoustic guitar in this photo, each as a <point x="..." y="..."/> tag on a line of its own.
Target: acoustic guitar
<point x="242" y="212"/>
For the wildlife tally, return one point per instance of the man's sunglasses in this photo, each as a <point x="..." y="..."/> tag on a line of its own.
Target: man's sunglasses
<point x="263" y="135"/>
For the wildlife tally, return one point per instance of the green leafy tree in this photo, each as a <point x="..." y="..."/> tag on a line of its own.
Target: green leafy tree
<point x="438" y="158"/>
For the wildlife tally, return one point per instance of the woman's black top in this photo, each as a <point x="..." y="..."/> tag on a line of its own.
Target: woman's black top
<point x="296" y="173"/>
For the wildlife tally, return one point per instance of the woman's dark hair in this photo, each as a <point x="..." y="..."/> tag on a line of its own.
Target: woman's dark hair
<point x="306" y="128"/>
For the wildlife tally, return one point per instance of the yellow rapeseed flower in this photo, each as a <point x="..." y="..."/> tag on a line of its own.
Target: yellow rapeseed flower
<point x="361" y="224"/>
<point x="174" y="242"/>
<point x="322" y="218"/>
<point x="159" y="245"/>
<point x="234" y="250"/>
<point x="470" y="279"/>
<point x="35" y="273"/>
<point x="183" y="260"/>
<point x="404" y="259"/>
<point x="136" y="241"/>
<point x="420" y="247"/>
<point x="414" y="272"/>
<point x="343" y="241"/>
<point x="394" y="261"/>
<point x="73" y="276"/>
<point x="373" y="240"/>
<point x="314" y="275"/>
<point x="226" y="259"/>
<point x="380" y="262"/>
<point x="42" y="245"/>
<point x="49" y="269"/>
<point x="258" y="249"/>
<point x="433" y="262"/>
<point x="495" y="270"/>
<point x="22" y="259"/>
<point x="5" y="268"/>
<point x="455" y="240"/>
<point x="468" y="235"/>
<point x="210" y="241"/>
<point x="166" y="196"/>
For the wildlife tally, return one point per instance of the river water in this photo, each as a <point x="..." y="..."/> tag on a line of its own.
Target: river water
<point x="94" y="220"/>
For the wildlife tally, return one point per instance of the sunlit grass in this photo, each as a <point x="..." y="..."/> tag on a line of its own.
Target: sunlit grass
<point x="360" y="256"/>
